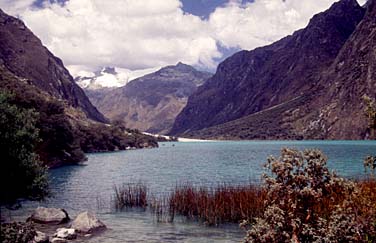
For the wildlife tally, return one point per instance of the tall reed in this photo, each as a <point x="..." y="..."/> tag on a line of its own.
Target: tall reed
<point x="130" y="195"/>
<point x="226" y="203"/>
<point x="217" y="205"/>
<point x="162" y="209"/>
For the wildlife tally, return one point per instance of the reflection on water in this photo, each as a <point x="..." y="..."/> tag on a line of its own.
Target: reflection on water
<point x="139" y="227"/>
<point x="90" y="187"/>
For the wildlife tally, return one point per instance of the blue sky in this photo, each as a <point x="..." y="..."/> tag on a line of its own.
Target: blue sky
<point x="140" y="34"/>
<point x="202" y="8"/>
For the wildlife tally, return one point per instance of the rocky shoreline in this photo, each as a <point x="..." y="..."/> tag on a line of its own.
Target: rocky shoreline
<point x="53" y="225"/>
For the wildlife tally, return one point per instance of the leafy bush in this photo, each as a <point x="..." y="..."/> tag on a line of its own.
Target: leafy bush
<point x="17" y="232"/>
<point x="370" y="113"/>
<point x="22" y="174"/>
<point x="370" y="163"/>
<point x="58" y="143"/>
<point x="100" y="138"/>
<point x="308" y="203"/>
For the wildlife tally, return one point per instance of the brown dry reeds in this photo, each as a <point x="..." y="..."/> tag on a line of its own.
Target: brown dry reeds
<point x="226" y="203"/>
<point x="130" y="195"/>
<point x="217" y="205"/>
<point x="162" y="209"/>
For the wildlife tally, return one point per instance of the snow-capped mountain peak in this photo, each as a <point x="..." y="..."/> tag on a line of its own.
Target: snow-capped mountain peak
<point x="110" y="77"/>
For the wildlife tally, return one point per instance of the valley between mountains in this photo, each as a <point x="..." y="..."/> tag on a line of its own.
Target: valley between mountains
<point x="308" y="85"/>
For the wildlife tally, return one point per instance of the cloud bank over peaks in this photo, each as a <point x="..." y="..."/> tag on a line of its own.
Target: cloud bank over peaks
<point x="122" y="33"/>
<point x="262" y="22"/>
<point x="138" y="34"/>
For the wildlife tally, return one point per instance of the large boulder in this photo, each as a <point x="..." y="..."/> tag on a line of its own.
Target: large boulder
<point x="87" y="222"/>
<point x="44" y="215"/>
<point x="64" y="233"/>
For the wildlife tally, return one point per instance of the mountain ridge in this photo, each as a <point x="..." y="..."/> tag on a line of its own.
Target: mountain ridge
<point x="150" y="103"/>
<point x="32" y="78"/>
<point x="301" y="68"/>
<point x="26" y="57"/>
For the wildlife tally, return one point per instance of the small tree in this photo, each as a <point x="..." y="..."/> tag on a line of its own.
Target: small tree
<point x="370" y="112"/>
<point x="370" y="162"/>
<point x="21" y="173"/>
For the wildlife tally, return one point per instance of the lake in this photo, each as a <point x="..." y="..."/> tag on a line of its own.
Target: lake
<point x="90" y="187"/>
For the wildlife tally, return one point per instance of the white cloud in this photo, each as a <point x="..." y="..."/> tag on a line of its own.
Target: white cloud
<point x="251" y="25"/>
<point x="122" y="33"/>
<point x="105" y="79"/>
<point x="15" y="7"/>
<point x="135" y="34"/>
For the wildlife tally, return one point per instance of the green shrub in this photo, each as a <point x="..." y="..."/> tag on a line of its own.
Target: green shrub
<point x="21" y="173"/>
<point x="59" y="142"/>
<point x="370" y="113"/>
<point x="17" y="233"/>
<point x="101" y="138"/>
<point x="370" y="163"/>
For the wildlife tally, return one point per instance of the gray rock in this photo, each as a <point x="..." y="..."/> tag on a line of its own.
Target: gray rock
<point x="41" y="238"/>
<point x="65" y="233"/>
<point x="58" y="240"/>
<point x="44" y="215"/>
<point x="87" y="222"/>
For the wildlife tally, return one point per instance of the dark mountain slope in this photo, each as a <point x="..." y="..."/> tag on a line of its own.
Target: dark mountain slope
<point x="276" y="122"/>
<point x="152" y="102"/>
<point x="39" y="82"/>
<point x="251" y="81"/>
<point x="352" y="75"/>
<point x="333" y="109"/>
<point x="23" y="54"/>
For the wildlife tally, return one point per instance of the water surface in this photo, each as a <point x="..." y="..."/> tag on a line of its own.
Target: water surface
<point x="90" y="187"/>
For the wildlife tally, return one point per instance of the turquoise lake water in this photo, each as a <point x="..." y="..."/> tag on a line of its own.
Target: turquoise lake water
<point x="90" y="187"/>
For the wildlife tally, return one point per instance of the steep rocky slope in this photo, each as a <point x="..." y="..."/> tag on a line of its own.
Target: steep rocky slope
<point x="68" y="123"/>
<point x="152" y="102"/>
<point x="308" y="85"/>
<point x="352" y="75"/>
<point x="24" y="55"/>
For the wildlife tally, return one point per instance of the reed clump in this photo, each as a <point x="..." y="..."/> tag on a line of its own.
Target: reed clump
<point x="220" y="204"/>
<point x="130" y="195"/>
<point x="162" y="209"/>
